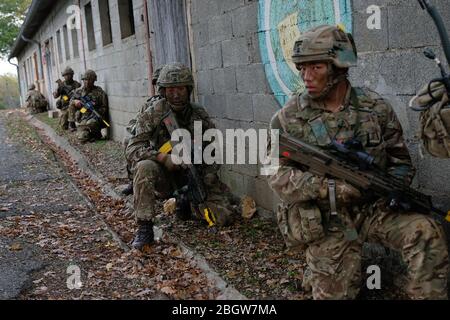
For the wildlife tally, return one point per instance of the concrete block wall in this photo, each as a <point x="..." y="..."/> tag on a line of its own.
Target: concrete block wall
<point x="231" y="81"/>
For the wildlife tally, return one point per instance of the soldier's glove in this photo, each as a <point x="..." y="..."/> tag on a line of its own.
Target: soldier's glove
<point x="345" y="193"/>
<point x="166" y="160"/>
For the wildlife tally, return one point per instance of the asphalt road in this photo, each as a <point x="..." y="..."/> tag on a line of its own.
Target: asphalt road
<point x="28" y="184"/>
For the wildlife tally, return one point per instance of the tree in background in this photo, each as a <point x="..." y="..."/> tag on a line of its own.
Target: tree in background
<point x="12" y="15"/>
<point x="9" y="92"/>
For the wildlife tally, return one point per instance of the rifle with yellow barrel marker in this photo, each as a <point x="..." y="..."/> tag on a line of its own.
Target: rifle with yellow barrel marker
<point x="194" y="191"/>
<point x="89" y="105"/>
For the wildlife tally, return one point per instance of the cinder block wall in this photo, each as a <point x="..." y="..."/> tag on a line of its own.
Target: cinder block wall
<point x="233" y="87"/>
<point x="231" y="81"/>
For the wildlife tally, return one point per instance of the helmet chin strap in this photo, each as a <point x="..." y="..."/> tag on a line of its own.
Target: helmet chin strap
<point x="333" y="80"/>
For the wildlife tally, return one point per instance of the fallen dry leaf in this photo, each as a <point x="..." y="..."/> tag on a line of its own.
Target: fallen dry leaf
<point x="16" y="247"/>
<point x="40" y="290"/>
<point x="170" y="206"/>
<point x="248" y="207"/>
<point x="168" y="290"/>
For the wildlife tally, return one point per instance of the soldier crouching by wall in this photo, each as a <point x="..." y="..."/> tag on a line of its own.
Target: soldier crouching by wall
<point x="155" y="175"/>
<point x="89" y="124"/>
<point x="65" y="92"/>
<point x="35" y="101"/>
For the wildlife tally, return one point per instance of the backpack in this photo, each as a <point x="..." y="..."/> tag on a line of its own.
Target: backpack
<point x="434" y="120"/>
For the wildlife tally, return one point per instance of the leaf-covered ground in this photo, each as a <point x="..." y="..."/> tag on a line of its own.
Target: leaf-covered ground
<point x="52" y="217"/>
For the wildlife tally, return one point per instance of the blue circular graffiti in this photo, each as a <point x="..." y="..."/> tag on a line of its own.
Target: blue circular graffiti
<point x="280" y="23"/>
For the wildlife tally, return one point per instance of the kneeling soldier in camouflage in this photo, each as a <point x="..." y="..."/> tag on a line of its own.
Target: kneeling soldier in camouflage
<point x="64" y="92"/>
<point x="155" y="175"/>
<point x="331" y="109"/>
<point x="89" y="105"/>
<point x="35" y="101"/>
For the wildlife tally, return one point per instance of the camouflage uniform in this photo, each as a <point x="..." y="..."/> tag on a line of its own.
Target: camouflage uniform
<point x="334" y="259"/>
<point x="151" y="179"/>
<point x="89" y="127"/>
<point x="63" y="102"/>
<point x="35" y="101"/>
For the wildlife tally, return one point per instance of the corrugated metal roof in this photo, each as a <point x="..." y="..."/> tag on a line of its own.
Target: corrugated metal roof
<point x="38" y="11"/>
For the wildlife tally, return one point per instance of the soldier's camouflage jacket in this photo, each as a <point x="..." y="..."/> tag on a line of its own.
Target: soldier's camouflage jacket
<point x="70" y="87"/>
<point x="131" y="127"/>
<point x="151" y="133"/>
<point x="372" y="121"/>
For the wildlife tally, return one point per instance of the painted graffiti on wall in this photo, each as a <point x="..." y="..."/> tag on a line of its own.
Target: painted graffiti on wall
<point x="280" y="24"/>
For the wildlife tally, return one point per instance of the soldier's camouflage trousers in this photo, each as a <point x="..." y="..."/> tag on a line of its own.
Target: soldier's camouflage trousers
<point x="125" y="141"/>
<point x="89" y="130"/>
<point x="73" y="114"/>
<point x="152" y="181"/>
<point x="36" y="108"/>
<point x="64" y="118"/>
<point x="335" y="262"/>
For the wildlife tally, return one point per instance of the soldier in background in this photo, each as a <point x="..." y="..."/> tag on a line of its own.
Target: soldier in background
<point x="89" y="125"/>
<point x="35" y="101"/>
<point x="64" y="92"/>
<point x="332" y="109"/>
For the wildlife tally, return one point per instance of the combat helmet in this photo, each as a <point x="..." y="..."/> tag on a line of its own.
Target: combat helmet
<point x="156" y="74"/>
<point x="175" y="75"/>
<point x="89" y="74"/>
<point x="326" y="43"/>
<point x="67" y="71"/>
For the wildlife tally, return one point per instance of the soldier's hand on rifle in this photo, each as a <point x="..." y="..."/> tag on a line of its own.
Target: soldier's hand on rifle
<point x="77" y="103"/>
<point x="166" y="160"/>
<point x="346" y="193"/>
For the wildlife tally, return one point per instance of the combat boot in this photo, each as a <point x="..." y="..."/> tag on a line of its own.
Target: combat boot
<point x="144" y="235"/>
<point x="183" y="209"/>
<point x="128" y="190"/>
<point x="72" y="126"/>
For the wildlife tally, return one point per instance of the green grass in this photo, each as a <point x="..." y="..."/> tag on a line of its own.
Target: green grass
<point x="52" y="122"/>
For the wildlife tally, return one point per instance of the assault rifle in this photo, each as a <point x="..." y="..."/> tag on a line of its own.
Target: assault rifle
<point x="346" y="166"/>
<point x="194" y="192"/>
<point x="445" y="41"/>
<point x="89" y="105"/>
